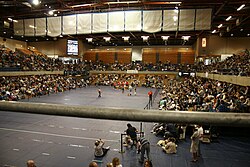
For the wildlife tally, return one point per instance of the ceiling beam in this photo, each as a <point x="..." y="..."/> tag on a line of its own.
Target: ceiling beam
<point x="220" y="8"/>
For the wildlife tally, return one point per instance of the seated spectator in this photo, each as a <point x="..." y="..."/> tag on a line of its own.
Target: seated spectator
<point x="223" y="107"/>
<point x="128" y="141"/>
<point x="100" y="151"/>
<point x="170" y="146"/>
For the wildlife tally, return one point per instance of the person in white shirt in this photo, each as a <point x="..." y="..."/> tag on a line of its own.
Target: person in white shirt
<point x="200" y="133"/>
<point x="100" y="151"/>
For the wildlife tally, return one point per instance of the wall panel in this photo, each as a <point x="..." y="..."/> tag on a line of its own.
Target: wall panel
<point x="19" y="27"/>
<point x="171" y="56"/>
<point x="54" y="26"/>
<point x="124" y="57"/>
<point x="187" y="57"/>
<point x="133" y="21"/>
<point x="107" y="57"/>
<point x="116" y="21"/>
<point x="90" y="56"/>
<point x="99" y="22"/>
<point x="152" y="21"/>
<point x="69" y="24"/>
<point x="186" y="20"/>
<point x="29" y="25"/>
<point x="40" y="26"/>
<point x="149" y="56"/>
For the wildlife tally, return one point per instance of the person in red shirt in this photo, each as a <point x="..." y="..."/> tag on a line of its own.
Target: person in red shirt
<point x="150" y="96"/>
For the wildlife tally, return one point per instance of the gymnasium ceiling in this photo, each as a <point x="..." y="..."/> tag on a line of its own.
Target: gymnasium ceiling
<point x="237" y="26"/>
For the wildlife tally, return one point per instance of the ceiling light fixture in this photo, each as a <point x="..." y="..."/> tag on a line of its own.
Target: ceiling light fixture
<point x="51" y="12"/>
<point x="185" y="38"/>
<point x="107" y="39"/>
<point x="164" y="38"/>
<point x="27" y="4"/>
<point x="126" y="38"/>
<point x="174" y="2"/>
<point x="123" y="2"/>
<point x="10" y="19"/>
<point x="83" y="5"/>
<point x="31" y="26"/>
<point x="228" y="18"/>
<point x="219" y="26"/>
<point x="241" y="7"/>
<point x="145" y="38"/>
<point x="36" y="2"/>
<point x="89" y="39"/>
<point x="214" y="31"/>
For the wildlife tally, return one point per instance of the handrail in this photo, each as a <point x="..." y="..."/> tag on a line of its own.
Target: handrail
<point x="187" y="117"/>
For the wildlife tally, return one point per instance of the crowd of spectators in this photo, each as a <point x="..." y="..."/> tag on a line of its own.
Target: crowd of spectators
<point x="234" y="65"/>
<point x="21" y="87"/>
<point x="200" y="94"/>
<point x="33" y="62"/>
<point x="138" y="65"/>
<point x="118" y="81"/>
<point x="13" y="60"/>
<point x="191" y="93"/>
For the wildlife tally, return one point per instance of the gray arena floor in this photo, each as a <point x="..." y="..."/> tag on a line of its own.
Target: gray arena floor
<point x="56" y="141"/>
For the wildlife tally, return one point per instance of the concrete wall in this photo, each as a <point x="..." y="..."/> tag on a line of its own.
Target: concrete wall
<point x="12" y="44"/>
<point x="58" y="47"/>
<point x="238" y="80"/>
<point x="25" y="73"/>
<point x="83" y="47"/>
<point x="222" y="45"/>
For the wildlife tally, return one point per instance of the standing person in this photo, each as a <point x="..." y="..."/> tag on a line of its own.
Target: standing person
<point x="123" y="88"/>
<point x="194" y="145"/>
<point x="132" y="132"/>
<point x="150" y="96"/>
<point x="143" y="146"/>
<point x="99" y="92"/>
<point x="130" y="90"/>
<point x="200" y="133"/>
<point x="31" y="163"/>
<point x="93" y="164"/>
<point x="116" y="162"/>
<point x="135" y="90"/>
<point x="100" y="151"/>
